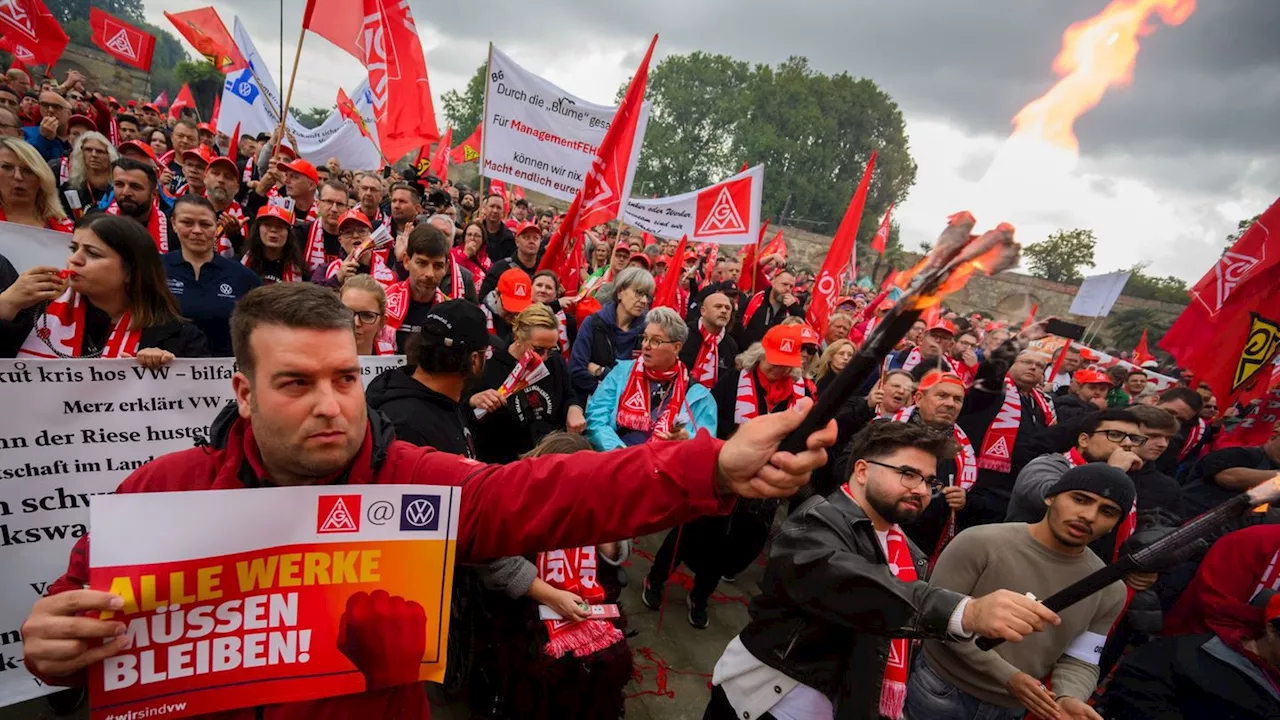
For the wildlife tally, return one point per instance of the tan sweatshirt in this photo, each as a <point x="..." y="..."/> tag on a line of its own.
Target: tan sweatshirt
<point x="983" y="559"/>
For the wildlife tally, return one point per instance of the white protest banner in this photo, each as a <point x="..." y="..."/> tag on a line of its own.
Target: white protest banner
<point x="540" y="137"/>
<point x="1104" y="361"/>
<point x="27" y="247"/>
<point x="250" y="97"/>
<point x="73" y="429"/>
<point x="1098" y="293"/>
<point x="727" y="212"/>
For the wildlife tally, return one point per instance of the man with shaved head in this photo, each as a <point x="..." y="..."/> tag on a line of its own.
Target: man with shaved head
<point x="710" y="350"/>
<point x="51" y="137"/>
<point x="1002" y="410"/>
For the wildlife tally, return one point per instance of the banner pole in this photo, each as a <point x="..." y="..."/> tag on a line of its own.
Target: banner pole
<point x="288" y="97"/>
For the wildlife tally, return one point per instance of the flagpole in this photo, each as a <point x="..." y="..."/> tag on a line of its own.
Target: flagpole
<point x="281" y="37"/>
<point x="288" y="97"/>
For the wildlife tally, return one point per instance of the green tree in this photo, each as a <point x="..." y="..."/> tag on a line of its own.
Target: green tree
<point x="1240" y="228"/>
<point x="312" y="117"/>
<point x="1061" y="256"/>
<point x="463" y="111"/>
<point x="1124" y="328"/>
<point x="1167" y="289"/>
<point x="65" y="10"/>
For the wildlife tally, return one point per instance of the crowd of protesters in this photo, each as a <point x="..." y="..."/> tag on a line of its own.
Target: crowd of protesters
<point x="971" y="475"/>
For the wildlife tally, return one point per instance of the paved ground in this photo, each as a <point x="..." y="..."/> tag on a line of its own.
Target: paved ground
<point x="673" y="668"/>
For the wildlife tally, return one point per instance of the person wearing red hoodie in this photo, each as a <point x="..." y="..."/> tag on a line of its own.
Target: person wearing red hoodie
<point x="300" y="418"/>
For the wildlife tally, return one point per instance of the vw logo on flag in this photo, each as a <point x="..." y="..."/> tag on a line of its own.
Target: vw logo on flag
<point x="242" y="86"/>
<point x="419" y="512"/>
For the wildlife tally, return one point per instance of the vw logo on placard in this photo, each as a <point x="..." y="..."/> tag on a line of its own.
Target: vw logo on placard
<point x="419" y="512"/>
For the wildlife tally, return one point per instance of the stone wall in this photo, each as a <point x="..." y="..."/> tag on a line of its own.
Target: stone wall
<point x="104" y="73"/>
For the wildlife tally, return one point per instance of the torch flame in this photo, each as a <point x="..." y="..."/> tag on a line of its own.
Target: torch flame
<point x="1097" y="54"/>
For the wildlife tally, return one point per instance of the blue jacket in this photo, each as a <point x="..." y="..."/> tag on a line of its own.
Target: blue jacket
<point x="602" y="342"/>
<point x="49" y="149"/>
<point x="698" y="413"/>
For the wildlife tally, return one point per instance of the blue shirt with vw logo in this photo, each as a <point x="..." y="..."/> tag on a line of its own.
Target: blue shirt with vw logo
<point x="209" y="300"/>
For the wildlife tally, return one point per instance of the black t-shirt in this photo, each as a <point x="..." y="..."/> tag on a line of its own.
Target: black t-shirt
<point x="413" y="319"/>
<point x="1202" y="492"/>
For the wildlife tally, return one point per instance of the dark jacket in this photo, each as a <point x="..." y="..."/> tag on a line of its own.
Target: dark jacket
<point x="529" y="415"/>
<point x="752" y="330"/>
<point x="829" y="605"/>
<point x="421" y="415"/>
<point x="1187" y="678"/>
<point x="602" y="342"/>
<point x="500" y="266"/>
<point x="499" y="244"/>
<point x="1070" y="407"/>
<point x="689" y="351"/>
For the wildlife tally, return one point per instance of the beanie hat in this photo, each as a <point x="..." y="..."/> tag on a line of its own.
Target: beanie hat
<point x="1099" y="479"/>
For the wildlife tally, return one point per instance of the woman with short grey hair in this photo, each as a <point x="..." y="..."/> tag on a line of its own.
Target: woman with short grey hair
<point x="676" y="329"/>
<point x="613" y="332"/>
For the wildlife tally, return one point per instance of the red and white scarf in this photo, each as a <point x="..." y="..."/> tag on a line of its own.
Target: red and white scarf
<point x="634" y="411"/>
<point x="997" y="444"/>
<point x="747" y="405"/>
<point x="1270" y="579"/>
<point x="966" y="476"/>
<point x="457" y="289"/>
<point x="706" y="366"/>
<point x="236" y="212"/>
<point x="385" y="344"/>
<point x="1193" y="438"/>
<point x="574" y="570"/>
<point x="893" y="688"/>
<point x="64" y="170"/>
<point x="562" y="332"/>
<point x="62" y="326"/>
<point x="752" y="306"/>
<point x="915" y="356"/>
<point x="378" y="270"/>
<point x="313" y="252"/>
<point x="313" y="212"/>
<point x="157" y="224"/>
<point x="289" y="273"/>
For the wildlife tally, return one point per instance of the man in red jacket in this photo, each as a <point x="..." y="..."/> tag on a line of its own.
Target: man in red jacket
<point x="300" y="419"/>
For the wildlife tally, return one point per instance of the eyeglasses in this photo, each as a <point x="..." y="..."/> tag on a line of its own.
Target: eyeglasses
<point x="52" y="106"/>
<point x="1116" y="436"/>
<point x="366" y="317"/>
<point x="359" y="232"/>
<point x="650" y="341"/>
<point x="542" y="351"/>
<point x="911" y="477"/>
<point x="17" y="171"/>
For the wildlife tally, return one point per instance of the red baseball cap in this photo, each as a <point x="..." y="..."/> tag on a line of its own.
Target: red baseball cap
<point x="304" y="168"/>
<point x="82" y="120"/>
<point x="944" y="325"/>
<point x="782" y="346"/>
<point x="151" y="107"/>
<point x="354" y="215"/>
<point x="200" y="153"/>
<point x="641" y="258"/>
<point x="1089" y="376"/>
<point x="515" y="290"/>
<point x="526" y="226"/>
<point x="808" y="335"/>
<point x="226" y="161"/>
<point x="937" y="377"/>
<point x="205" y="127"/>
<point x="285" y="150"/>
<point x="144" y="148"/>
<point x="271" y="210"/>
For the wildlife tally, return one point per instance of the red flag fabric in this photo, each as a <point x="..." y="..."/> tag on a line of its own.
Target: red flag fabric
<point x="601" y="195"/>
<point x="1229" y="334"/>
<point x="469" y="150"/>
<point x="517" y="191"/>
<point x="122" y="41"/>
<point x="31" y="33"/>
<point x="402" y="105"/>
<point x="744" y="167"/>
<point x="203" y="28"/>
<point x="184" y="99"/>
<point x="713" y="254"/>
<point x="497" y="187"/>
<point x="440" y="163"/>
<point x="1142" y="353"/>
<point x="888" y="279"/>
<point x="882" y="234"/>
<point x="162" y="100"/>
<point x="349" y="111"/>
<point x="422" y="162"/>
<point x="747" y="278"/>
<point x="826" y="286"/>
<point x="667" y="292"/>
<point x="1031" y="317"/>
<point x="776" y="246"/>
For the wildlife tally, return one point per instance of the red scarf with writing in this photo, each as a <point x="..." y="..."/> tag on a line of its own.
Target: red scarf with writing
<point x="236" y="212"/>
<point x="966" y="477"/>
<point x="157" y="224"/>
<point x="997" y="444"/>
<point x="60" y="332"/>
<point x="562" y="332"/>
<point x="747" y="406"/>
<point x="706" y="366"/>
<point x="915" y="356"/>
<point x="1193" y="437"/>
<point x="313" y="253"/>
<point x="574" y="570"/>
<point x="634" y="411"/>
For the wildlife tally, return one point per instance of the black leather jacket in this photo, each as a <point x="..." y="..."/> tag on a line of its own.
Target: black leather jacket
<point x="829" y="605"/>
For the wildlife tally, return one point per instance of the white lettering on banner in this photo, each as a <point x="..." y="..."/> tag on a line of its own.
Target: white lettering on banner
<point x="727" y="212"/>
<point x="540" y="137"/>
<point x="84" y="426"/>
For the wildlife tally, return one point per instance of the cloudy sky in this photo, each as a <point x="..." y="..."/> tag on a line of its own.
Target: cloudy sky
<point x="1167" y="165"/>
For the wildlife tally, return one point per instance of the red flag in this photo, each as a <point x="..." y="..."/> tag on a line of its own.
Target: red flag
<point x="469" y="150"/>
<point x="744" y="167"/>
<point x="203" y="28"/>
<point x="497" y="187"/>
<point x="31" y="33"/>
<point x="647" y="239"/>
<point x="1031" y="318"/>
<point x="122" y="41"/>
<point x="713" y="254"/>
<point x="747" y="278"/>
<point x="882" y="234"/>
<point x="1142" y="353"/>
<point x="776" y="246"/>
<point x="888" y="279"/>
<point x="668" y="291"/>
<point x="826" y="285"/>
<point x="184" y="99"/>
<point x="440" y="164"/>
<point x="402" y="106"/>
<point x="1229" y="334"/>
<point x="162" y="100"/>
<point x="217" y="110"/>
<point x="601" y="195"/>
<point x="517" y="191"/>
<point x="349" y="111"/>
